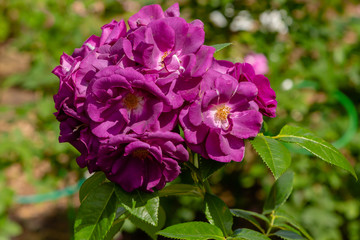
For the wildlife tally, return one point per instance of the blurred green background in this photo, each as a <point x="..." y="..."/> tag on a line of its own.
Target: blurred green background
<point x="313" y="49"/>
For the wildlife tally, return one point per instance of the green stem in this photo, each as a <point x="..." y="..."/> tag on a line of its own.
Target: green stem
<point x="271" y="223"/>
<point x="207" y="186"/>
<point x="193" y="165"/>
<point x="191" y="157"/>
<point x="196" y="160"/>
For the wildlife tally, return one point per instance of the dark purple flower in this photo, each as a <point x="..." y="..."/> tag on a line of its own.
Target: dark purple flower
<point x="244" y="72"/>
<point x="80" y="136"/>
<point x="173" y="49"/>
<point x="170" y="45"/>
<point x="218" y="121"/>
<point x="122" y="94"/>
<point x="76" y="71"/>
<point x="266" y="98"/>
<point x="143" y="162"/>
<point x="123" y="101"/>
<point x="111" y="33"/>
<point x="151" y="13"/>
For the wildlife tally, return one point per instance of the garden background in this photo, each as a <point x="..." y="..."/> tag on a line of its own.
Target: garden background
<point x="313" y="51"/>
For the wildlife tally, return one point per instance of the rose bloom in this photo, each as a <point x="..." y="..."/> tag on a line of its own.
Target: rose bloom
<point x="169" y="48"/>
<point x="225" y="114"/>
<point x="121" y="100"/>
<point x="110" y="90"/>
<point x="75" y="72"/>
<point x="143" y="162"/>
<point x="122" y="94"/>
<point x="244" y="72"/>
<point x="266" y="97"/>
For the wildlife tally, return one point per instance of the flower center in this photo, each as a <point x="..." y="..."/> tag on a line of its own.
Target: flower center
<point x="131" y="101"/>
<point x="164" y="56"/>
<point x="222" y="113"/>
<point x="140" y="154"/>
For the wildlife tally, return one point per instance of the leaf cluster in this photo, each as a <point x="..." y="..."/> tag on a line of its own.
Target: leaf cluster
<point x="105" y="206"/>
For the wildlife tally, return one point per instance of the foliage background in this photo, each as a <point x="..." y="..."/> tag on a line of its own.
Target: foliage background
<point x="317" y="55"/>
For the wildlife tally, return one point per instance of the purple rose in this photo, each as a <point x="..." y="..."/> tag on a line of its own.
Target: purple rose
<point x="173" y="49"/>
<point x="122" y="94"/>
<point x="76" y="71"/>
<point x="218" y="121"/>
<point x="123" y="101"/>
<point x="266" y="98"/>
<point x="170" y="45"/>
<point x="143" y="162"/>
<point x="80" y="136"/>
<point x="110" y="34"/>
<point x="244" y="72"/>
<point x="151" y="13"/>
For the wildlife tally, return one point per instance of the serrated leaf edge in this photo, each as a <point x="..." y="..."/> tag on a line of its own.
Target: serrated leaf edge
<point x="102" y="212"/>
<point x="154" y="220"/>
<point x="331" y="147"/>
<point x="262" y="158"/>
<point x="217" y="237"/>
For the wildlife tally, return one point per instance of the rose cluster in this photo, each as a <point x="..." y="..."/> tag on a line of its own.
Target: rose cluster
<point x="123" y="95"/>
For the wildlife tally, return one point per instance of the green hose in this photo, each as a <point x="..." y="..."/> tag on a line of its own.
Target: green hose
<point x="353" y="119"/>
<point x="350" y="110"/>
<point x="54" y="195"/>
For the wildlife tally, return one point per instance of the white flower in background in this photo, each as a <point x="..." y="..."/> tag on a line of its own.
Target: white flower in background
<point x="218" y="19"/>
<point x="242" y="22"/>
<point x="275" y="21"/>
<point x="287" y="84"/>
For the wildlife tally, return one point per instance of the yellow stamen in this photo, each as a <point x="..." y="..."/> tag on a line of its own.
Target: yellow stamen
<point x="131" y="101"/>
<point x="164" y="56"/>
<point x="222" y="113"/>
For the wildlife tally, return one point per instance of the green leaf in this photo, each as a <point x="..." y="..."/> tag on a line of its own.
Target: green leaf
<point x="249" y="216"/>
<point x="221" y="46"/>
<point x="142" y="205"/>
<point x="315" y="145"/>
<point x="95" y="180"/>
<point x="148" y="228"/>
<point x="285" y="226"/>
<point x="254" y="214"/>
<point x="275" y="155"/>
<point x="279" y="192"/>
<point x="192" y="231"/>
<point x="8" y="228"/>
<point x="208" y="167"/>
<point x="288" y="235"/>
<point x="115" y="228"/>
<point x="180" y="190"/>
<point x="181" y="132"/>
<point x="96" y="213"/>
<point x="248" y="234"/>
<point x="283" y="216"/>
<point x="120" y="211"/>
<point x="121" y="215"/>
<point x="218" y="213"/>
